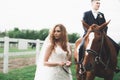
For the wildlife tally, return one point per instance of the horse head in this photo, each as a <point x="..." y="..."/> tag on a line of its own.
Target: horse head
<point x="98" y="50"/>
<point x="94" y="43"/>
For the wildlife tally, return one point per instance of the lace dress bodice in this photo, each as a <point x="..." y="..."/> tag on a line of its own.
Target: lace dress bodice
<point x="58" y="55"/>
<point x="56" y="72"/>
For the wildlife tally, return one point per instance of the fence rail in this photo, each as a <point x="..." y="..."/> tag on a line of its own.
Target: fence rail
<point x="22" y="44"/>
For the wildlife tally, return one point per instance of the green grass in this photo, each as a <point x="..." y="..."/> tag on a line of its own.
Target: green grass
<point x="1" y="50"/>
<point x="27" y="73"/>
<point x="14" y="49"/>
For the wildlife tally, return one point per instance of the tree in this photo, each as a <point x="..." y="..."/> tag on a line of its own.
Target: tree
<point x="14" y="33"/>
<point x="43" y="33"/>
<point x="2" y="34"/>
<point x="73" y="37"/>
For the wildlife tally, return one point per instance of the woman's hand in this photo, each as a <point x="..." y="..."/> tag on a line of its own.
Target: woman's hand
<point x="68" y="63"/>
<point x="61" y="63"/>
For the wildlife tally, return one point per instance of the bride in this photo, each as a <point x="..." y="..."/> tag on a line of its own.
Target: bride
<point x="55" y="56"/>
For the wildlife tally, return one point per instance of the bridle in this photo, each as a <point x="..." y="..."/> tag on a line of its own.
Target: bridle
<point x="97" y="56"/>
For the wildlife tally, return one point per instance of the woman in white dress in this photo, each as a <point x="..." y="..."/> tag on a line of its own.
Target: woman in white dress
<point x="55" y="54"/>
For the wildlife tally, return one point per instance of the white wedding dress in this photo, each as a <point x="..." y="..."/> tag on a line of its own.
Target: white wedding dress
<point x="53" y="73"/>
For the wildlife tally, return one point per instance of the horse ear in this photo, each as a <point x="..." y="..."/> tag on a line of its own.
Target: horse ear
<point x="85" y="24"/>
<point x="102" y="26"/>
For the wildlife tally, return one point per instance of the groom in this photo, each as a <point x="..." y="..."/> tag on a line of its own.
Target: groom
<point x="95" y="17"/>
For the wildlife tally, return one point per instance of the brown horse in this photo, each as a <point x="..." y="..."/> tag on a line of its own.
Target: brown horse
<point x="99" y="55"/>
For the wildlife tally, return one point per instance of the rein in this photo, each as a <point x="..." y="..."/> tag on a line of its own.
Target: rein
<point x="63" y="67"/>
<point x="67" y="71"/>
<point x="98" y="55"/>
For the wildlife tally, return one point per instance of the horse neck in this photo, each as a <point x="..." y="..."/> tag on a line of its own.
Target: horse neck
<point x="110" y="45"/>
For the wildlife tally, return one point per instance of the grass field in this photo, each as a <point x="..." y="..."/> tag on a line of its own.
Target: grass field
<point x="15" y="49"/>
<point x="27" y="73"/>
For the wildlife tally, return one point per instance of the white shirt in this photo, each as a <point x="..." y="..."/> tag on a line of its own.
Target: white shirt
<point x="94" y="13"/>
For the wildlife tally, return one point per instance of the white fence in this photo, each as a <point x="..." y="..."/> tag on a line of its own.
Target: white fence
<point x="22" y="44"/>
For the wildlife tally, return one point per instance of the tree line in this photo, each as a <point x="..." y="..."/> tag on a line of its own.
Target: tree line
<point x="35" y="34"/>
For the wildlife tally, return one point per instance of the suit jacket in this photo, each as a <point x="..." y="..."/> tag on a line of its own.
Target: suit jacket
<point x="89" y="19"/>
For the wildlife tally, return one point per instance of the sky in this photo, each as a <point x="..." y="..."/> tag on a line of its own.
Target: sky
<point x="39" y="14"/>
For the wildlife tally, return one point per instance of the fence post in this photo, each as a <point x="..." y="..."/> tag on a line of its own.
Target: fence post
<point x="5" y="55"/>
<point x="37" y="49"/>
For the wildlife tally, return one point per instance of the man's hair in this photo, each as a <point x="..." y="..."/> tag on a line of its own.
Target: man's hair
<point x="94" y="0"/>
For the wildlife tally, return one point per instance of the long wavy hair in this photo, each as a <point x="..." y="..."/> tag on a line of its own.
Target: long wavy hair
<point x="63" y="39"/>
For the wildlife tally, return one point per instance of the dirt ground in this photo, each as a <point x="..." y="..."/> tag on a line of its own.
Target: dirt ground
<point x="16" y="63"/>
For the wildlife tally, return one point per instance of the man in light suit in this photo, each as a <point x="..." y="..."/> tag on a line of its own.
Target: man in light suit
<point x="95" y="17"/>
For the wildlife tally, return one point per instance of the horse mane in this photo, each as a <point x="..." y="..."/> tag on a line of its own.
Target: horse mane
<point x="112" y="51"/>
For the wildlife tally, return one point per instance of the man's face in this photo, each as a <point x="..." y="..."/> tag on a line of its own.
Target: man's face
<point x="96" y="4"/>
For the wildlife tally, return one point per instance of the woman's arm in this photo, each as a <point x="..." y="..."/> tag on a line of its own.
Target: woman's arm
<point x="69" y="57"/>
